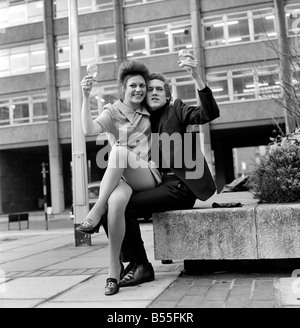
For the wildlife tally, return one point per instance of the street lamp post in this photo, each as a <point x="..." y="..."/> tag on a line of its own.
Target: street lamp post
<point x="44" y="175"/>
<point x="79" y="161"/>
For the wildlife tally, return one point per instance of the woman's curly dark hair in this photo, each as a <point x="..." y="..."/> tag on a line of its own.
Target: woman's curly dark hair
<point x="130" y="68"/>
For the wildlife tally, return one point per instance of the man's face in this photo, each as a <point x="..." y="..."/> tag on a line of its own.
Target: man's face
<point x="156" y="94"/>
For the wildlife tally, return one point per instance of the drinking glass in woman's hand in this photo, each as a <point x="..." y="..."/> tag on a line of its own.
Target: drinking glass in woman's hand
<point x="92" y="70"/>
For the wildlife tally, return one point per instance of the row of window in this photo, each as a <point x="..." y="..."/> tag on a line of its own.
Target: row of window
<point x="217" y="30"/>
<point x="165" y="38"/>
<point x="30" y="109"/>
<point x="249" y="83"/>
<point x="18" y="12"/>
<point x="22" y="110"/>
<point x="247" y="26"/>
<point x="227" y="86"/>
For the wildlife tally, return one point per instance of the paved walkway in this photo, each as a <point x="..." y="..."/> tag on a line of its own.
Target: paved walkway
<point x="43" y="269"/>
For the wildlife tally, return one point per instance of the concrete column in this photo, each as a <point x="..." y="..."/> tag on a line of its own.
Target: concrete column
<point x="55" y="154"/>
<point x="195" y="7"/>
<point x="119" y="31"/>
<point x="285" y="72"/>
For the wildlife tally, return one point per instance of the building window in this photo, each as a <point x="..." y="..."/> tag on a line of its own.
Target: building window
<point x="64" y="103"/>
<point x="60" y="8"/>
<point x="4" y="112"/>
<point x="158" y="39"/>
<point x="136" y="42"/>
<point x="14" y="13"/>
<point x="127" y="3"/>
<point x="268" y="82"/>
<point x="35" y="11"/>
<point x="20" y="108"/>
<point x="240" y="27"/>
<point x="84" y="7"/>
<point x="22" y="60"/>
<point x="184" y="88"/>
<point x="218" y="82"/>
<point x="293" y="19"/>
<point x="243" y="84"/>
<point x="23" y="110"/>
<point x="19" y="63"/>
<point x="264" y="24"/>
<point x="181" y="37"/>
<point x="94" y="48"/>
<point x="39" y="103"/>
<point x="87" y="49"/>
<point x="107" y="50"/>
<point x="104" y="4"/>
<point x="37" y="58"/>
<point x="153" y="40"/>
<point x="213" y="31"/>
<point x="62" y="53"/>
<point x="4" y="63"/>
<point x="237" y="27"/>
<point x="100" y="96"/>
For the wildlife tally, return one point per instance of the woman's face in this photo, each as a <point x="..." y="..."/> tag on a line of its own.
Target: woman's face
<point x="135" y="91"/>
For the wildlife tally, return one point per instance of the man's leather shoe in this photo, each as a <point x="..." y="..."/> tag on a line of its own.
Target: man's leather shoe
<point x="137" y="275"/>
<point x="128" y="268"/>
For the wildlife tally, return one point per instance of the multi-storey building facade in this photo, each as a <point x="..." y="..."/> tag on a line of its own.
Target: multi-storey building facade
<point x="231" y="39"/>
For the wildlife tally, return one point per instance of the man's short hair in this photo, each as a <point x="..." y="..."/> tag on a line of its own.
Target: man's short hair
<point x="167" y="85"/>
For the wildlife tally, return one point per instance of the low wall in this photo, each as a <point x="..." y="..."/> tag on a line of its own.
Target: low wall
<point x="254" y="231"/>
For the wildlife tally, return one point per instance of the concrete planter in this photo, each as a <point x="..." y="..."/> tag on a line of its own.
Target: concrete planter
<point x="250" y="232"/>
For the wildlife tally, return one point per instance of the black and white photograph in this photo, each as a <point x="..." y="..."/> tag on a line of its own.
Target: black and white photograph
<point x="149" y="157"/>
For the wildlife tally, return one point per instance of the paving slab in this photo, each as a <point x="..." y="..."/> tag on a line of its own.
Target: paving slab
<point x="39" y="287"/>
<point x="92" y="292"/>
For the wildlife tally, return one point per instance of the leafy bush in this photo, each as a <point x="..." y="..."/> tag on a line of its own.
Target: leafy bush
<point x="291" y="138"/>
<point x="276" y="179"/>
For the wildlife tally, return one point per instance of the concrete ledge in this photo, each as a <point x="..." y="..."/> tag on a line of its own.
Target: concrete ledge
<point x="278" y="231"/>
<point x="205" y="234"/>
<point x="250" y="232"/>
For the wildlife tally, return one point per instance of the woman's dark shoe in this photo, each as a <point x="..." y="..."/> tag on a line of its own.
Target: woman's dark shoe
<point x="87" y="227"/>
<point x="112" y="287"/>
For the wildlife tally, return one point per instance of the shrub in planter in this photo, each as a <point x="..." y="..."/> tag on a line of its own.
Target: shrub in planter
<point x="276" y="179"/>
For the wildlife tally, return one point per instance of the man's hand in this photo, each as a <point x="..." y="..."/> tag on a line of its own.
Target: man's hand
<point x="190" y="65"/>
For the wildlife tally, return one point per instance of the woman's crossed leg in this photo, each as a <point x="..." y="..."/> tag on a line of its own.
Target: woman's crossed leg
<point x="122" y="164"/>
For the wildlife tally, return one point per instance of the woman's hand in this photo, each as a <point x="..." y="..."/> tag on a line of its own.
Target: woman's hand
<point x="190" y="65"/>
<point x="87" y="85"/>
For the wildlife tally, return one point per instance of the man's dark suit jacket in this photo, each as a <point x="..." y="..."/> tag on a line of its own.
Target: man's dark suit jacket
<point x="175" y="119"/>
